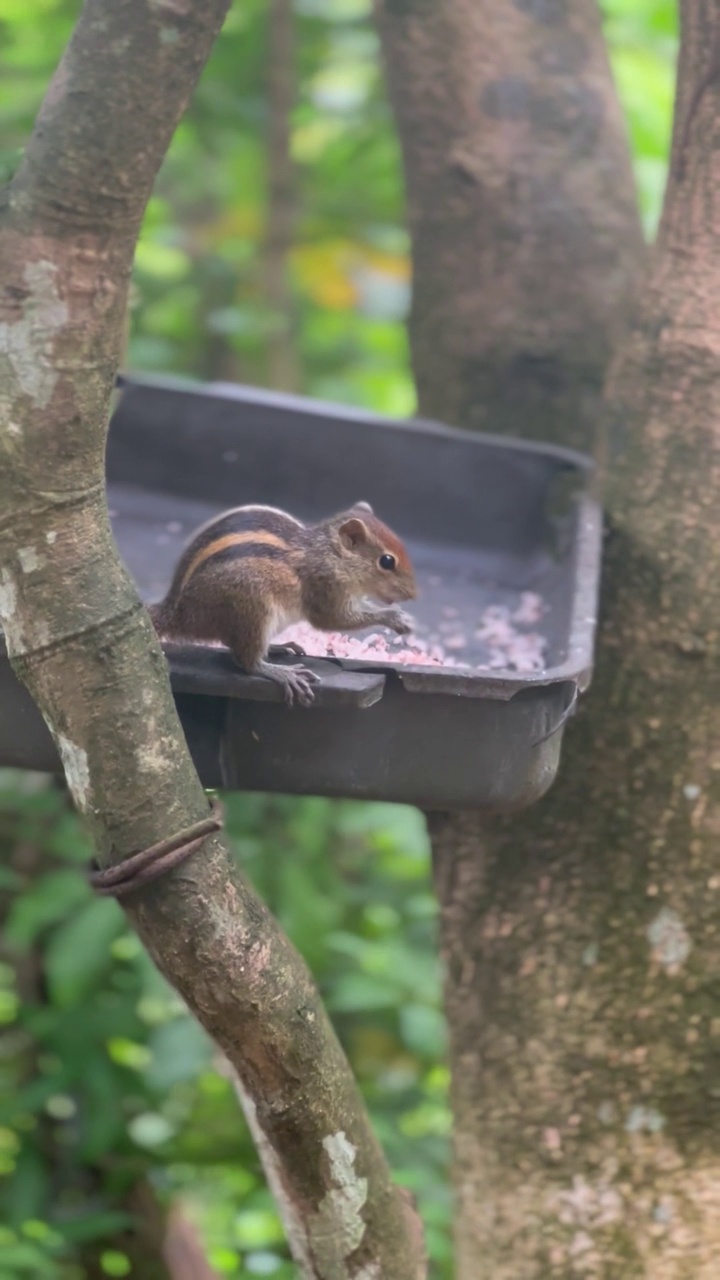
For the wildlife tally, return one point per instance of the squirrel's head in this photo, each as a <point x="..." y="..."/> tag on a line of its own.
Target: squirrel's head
<point x="375" y="561"/>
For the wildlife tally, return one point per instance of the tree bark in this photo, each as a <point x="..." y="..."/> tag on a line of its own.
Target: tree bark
<point x="521" y="206"/>
<point x="582" y="940"/>
<point x="79" y="638"/>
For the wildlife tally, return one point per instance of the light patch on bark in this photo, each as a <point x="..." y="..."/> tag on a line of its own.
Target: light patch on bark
<point x="27" y="342"/>
<point x="338" y="1226"/>
<point x="13" y="428"/>
<point x="607" y="1112"/>
<point x="642" y="1119"/>
<point x="50" y="536"/>
<point x="8" y="599"/>
<point x="181" y="7"/>
<point x="75" y="763"/>
<point x="669" y="938"/>
<point x="157" y="755"/>
<point x="19" y="637"/>
<point x="588" y="1204"/>
<point x="11" y="624"/>
<point x="169" y="35"/>
<point x="29" y="559"/>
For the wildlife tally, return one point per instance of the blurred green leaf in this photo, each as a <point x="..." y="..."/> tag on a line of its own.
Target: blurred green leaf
<point x="44" y="903"/>
<point x="151" y="1129"/>
<point x="257" y="1227"/>
<point x="357" y="991"/>
<point x="115" y="1263"/>
<point x="180" y="1050"/>
<point x="94" y="1226"/>
<point x="423" y="1030"/>
<point x="78" y="953"/>
<point x="102" y="1119"/>
<point x="25" y="1194"/>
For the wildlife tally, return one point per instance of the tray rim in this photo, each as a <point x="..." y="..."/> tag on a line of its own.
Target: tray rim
<point x="335" y="409"/>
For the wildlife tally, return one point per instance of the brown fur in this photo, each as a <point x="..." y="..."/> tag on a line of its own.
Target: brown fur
<point x="250" y="572"/>
<point x="229" y="540"/>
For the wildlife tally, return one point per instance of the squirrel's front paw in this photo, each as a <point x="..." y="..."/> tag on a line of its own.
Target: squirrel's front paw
<point x="399" y="621"/>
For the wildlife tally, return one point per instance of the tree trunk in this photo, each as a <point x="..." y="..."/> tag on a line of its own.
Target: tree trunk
<point x="521" y="207"/>
<point x="582" y="940"/>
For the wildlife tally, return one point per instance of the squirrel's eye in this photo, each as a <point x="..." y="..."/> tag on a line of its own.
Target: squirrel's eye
<point x="387" y="561"/>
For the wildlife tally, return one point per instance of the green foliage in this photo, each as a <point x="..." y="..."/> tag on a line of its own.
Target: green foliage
<point x="199" y="305"/>
<point x="104" y="1080"/>
<point x="642" y="37"/>
<point x="101" y="1063"/>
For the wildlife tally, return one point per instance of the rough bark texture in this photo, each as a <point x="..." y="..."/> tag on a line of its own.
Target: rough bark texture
<point x="521" y="206"/>
<point x="582" y="940"/>
<point x="79" y="638"/>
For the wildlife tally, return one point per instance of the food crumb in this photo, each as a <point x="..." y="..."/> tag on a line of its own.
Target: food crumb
<point x="508" y="647"/>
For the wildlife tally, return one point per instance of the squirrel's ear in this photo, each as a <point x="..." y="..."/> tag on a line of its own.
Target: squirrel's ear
<point x="353" y="533"/>
<point x="364" y="506"/>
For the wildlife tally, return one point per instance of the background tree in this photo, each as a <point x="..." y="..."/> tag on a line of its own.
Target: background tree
<point x="582" y="940"/>
<point x="354" y="896"/>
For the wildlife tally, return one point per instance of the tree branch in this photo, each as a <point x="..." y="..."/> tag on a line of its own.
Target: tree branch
<point x="110" y="111"/>
<point x="79" y="638"/>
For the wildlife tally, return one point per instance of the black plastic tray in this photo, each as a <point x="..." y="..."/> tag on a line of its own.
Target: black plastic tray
<point x="485" y="519"/>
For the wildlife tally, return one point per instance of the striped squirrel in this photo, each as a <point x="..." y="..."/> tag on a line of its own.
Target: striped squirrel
<point x="251" y="572"/>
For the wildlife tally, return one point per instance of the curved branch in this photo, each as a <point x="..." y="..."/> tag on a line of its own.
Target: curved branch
<point x="109" y="113"/>
<point x="80" y="640"/>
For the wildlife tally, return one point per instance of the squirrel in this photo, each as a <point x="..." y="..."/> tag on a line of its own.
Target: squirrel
<point x="251" y="572"/>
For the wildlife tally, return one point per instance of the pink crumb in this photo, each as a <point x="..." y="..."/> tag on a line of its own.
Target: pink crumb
<point x="508" y="648"/>
<point x="372" y="648"/>
<point x="530" y="609"/>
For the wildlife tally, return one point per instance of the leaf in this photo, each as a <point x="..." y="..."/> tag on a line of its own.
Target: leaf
<point x="78" y="953"/>
<point x="102" y="1119"/>
<point x="69" y="841"/>
<point x="180" y="1050"/>
<point x="423" y="1030"/>
<point x="95" y="1226"/>
<point x="25" y="1194"/>
<point x="48" y="901"/>
<point x="150" y="1129"/>
<point x="257" y="1227"/>
<point x="358" y="991"/>
<point x="27" y="1260"/>
<point x="164" y="261"/>
<point x="10" y="880"/>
